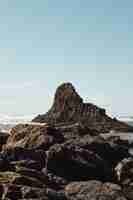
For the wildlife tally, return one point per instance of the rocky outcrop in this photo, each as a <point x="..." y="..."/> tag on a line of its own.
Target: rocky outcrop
<point x="93" y="190"/>
<point x="68" y="108"/>
<point x="67" y="157"/>
<point x="33" y="137"/>
<point x="52" y="157"/>
<point x="74" y="163"/>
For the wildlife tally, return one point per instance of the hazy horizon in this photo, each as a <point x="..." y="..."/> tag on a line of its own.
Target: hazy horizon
<point x="46" y="43"/>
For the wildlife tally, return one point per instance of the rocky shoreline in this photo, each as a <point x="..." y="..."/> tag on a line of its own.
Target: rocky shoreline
<point x="63" y="154"/>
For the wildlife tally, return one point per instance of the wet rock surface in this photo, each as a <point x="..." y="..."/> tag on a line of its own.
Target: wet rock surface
<point x="67" y="158"/>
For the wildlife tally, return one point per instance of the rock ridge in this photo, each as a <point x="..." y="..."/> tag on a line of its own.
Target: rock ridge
<point x="68" y="107"/>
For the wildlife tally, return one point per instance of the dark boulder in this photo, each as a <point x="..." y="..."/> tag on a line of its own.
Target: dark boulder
<point x="111" y="152"/>
<point x="74" y="163"/>
<point x="124" y="171"/>
<point x="19" y="154"/>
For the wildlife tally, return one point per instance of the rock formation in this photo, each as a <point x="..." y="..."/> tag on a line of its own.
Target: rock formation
<point x="33" y="137"/>
<point x="68" y="107"/>
<point x="67" y="157"/>
<point x="93" y="190"/>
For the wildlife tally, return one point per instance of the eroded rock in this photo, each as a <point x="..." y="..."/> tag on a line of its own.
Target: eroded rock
<point x="19" y="154"/>
<point x="33" y="136"/>
<point x="93" y="190"/>
<point x="124" y="171"/>
<point x="18" y="179"/>
<point x="42" y="160"/>
<point x="74" y="163"/>
<point x="69" y="108"/>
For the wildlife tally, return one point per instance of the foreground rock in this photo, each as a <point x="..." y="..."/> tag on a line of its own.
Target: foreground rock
<point x="75" y="163"/>
<point x="68" y="107"/>
<point x="124" y="171"/>
<point x="18" y="155"/>
<point x="74" y="153"/>
<point x="15" y="192"/>
<point x="33" y="136"/>
<point x="18" y="179"/>
<point x="94" y="190"/>
<point x="68" y="157"/>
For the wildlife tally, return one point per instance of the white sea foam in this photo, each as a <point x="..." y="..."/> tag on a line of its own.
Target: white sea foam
<point x="8" y="119"/>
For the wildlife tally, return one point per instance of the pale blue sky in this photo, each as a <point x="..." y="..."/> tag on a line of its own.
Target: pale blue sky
<point x="46" y="42"/>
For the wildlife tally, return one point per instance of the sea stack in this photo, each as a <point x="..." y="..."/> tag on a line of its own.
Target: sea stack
<point x="69" y="108"/>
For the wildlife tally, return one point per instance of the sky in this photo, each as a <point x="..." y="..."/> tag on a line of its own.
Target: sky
<point x="46" y="42"/>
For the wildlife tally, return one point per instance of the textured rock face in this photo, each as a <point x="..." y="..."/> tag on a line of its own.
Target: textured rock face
<point x="33" y="137"/>
<point x="67" y="158"/>
<point x="74" y="152"/>
<point x="93" y="190"/>
<point x="76" y="163"/>
<point x="14" y="192"/>
<point x="124" y="171"/>
<point x="68" y="107"/>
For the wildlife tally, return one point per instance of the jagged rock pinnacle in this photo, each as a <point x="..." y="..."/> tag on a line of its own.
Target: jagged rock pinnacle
<point x="68" y="107"/>
<point x="66" y="96"/>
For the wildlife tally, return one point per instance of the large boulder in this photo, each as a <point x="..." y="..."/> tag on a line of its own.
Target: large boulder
<point x="93" y="190"/>
<point x="124" y="171"/>
<point x="68" y="108"/>
<point x="74" y="163"/>
<point x="110" y="151"/>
